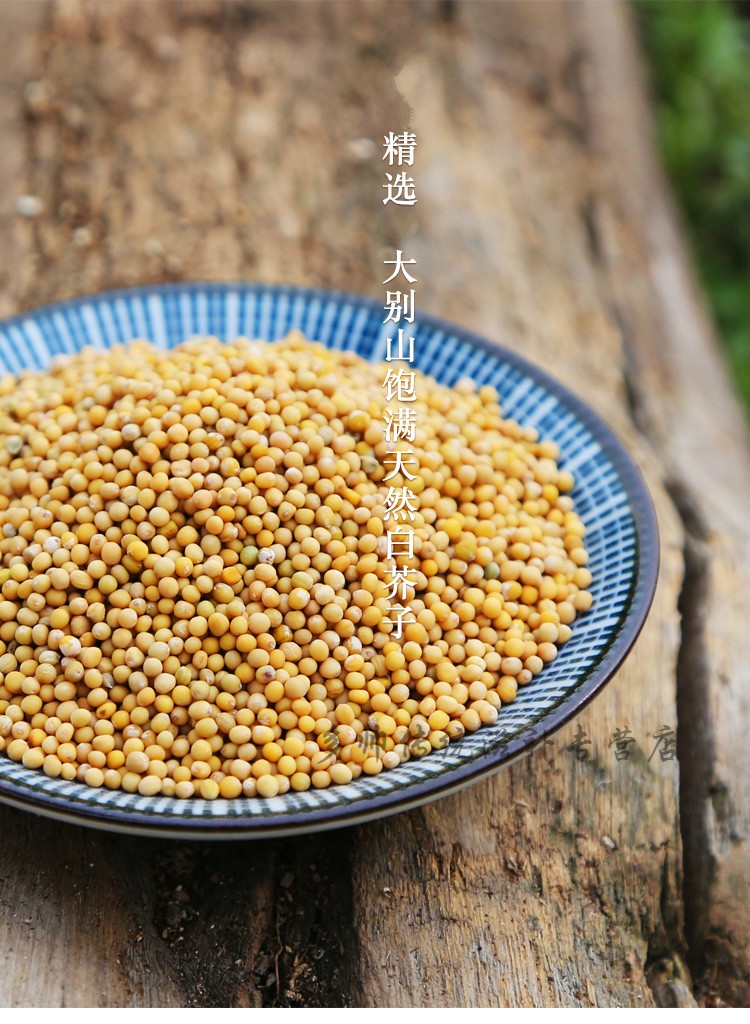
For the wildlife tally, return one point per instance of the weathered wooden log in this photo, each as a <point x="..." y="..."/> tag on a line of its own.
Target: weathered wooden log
<point x="213" y="140"/>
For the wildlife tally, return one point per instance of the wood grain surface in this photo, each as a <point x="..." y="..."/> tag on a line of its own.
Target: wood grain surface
<point x="225" y="140"/>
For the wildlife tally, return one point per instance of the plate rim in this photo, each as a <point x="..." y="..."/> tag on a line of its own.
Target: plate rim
<point x="632" y="618"/>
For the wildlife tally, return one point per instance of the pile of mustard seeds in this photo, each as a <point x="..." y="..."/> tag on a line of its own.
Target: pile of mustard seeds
<point x="194" y="589"/>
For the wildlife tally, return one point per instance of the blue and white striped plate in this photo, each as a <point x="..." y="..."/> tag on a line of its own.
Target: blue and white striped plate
<point x="610" y="497"/>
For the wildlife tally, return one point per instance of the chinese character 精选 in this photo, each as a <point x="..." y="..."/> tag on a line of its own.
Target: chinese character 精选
<point x="399" y="148"/>
<point x="400" y="189"/>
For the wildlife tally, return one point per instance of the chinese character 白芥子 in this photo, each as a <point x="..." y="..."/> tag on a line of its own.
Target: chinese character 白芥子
<point x="400" y="545"/>
<point x="400" y="583"/>
<point x="398" y="622"/>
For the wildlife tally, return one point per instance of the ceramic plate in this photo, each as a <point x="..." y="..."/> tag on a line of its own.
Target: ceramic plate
<point x="610" y="497"/>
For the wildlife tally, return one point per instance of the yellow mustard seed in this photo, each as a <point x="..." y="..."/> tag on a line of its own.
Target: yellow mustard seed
<point x="193" y="576"/>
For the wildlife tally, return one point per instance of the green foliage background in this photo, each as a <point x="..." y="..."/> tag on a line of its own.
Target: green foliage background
<point x="699" y="53"/>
